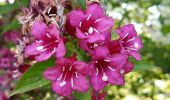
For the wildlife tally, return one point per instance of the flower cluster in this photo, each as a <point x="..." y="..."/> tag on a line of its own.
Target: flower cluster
<point x="92" y="28"/>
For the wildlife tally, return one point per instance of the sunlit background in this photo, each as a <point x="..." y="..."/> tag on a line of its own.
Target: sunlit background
<point x="149" y="80"/>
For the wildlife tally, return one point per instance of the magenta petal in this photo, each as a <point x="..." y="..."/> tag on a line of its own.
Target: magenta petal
<point x="64" y="90"/>
<point x="76" y="17"/>
<point x="101" y="52"/>
<point x="81" y="67"/>
<point x="60" y="50"/>
<point x="105" y="24"/>
<point x="97" y="82"/>
<point x="135" y="54"/>
<point x="80" y="34"/>
<point x="122" y="31"/>
<point x="52" y="73"/>
<point x="64" y="61"/>
<point x="118" y="60"/>
<point x="39" y="29"/>
<point x="53" y="30"/>
<point x="128" y="67"/>
<point x="32" y="49"/>
<point x="96" y="37"/>
<point x="114" y="77"/>
<point x="80" y="83"/>
<point x="95" y="10"/>
<point x="44" y="55"/>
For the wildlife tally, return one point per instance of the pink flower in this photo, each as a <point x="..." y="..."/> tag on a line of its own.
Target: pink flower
<point x="91" y="24"/>
<point x="68" y="75"/>
<point x="130" y="41"/>
<point x="11" y="36"/>
<point x="2" y="96"/>
<point x="7" y="59"/>
<point x="106" y="68"/>
<point x="47" y="42"/>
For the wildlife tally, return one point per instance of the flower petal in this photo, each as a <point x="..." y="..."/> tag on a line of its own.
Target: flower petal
<point x="80" y="83"/>
<point x="96" y="37"/>
<point x="128" y="67"/>
<point x="101" y="52"/>
<point x="52" y="73"/>
<point x="60" y="50"/>
<point x="135" y="54"/>
<point x="44" y="55"/>
<point x="80" y="34"/>
<point x="39" y="29"/>
<point x="53" y="30"/>
<point x="105" y="24"/>
<point x="62" y="90"/>
<point x="114" y="77"/>
<point x="76" y="17"/>
<point x="95" y="10"/>
<point x="97" y="82"/>
<point x="118" y="60"/>
<point x="32" y="49"/>
<point x="81" y="67"/>
<point x="122" y="31"/>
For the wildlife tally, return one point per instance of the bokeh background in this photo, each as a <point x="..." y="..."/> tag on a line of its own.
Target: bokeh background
<point x="150" y="79"/>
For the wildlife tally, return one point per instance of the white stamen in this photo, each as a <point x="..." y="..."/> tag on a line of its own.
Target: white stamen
<point x="97" y="20"/>
<point x="96" y="62"/>
<point x="48" y="35"/>
<point x="111" y="68"/>
<point x="54" y="50"/>
<point x="125" y="36"/>
<point x="56" y="41"/>
<point x="95" y="45"/>
<point x="63" y="68"/>
<point x="97" y="71"/>
<point x="39" y="41"/>
<point x="107" y="60"/>
<point x="86" y="33"/>
<point x="88" y="17"/>
<point x="136" y="45"/>
<point x="104" y="78"/>
<point x="122" y="71"/>
<point x="70" y="68"/>
<point x="130" y="40"/>
<point x="60" y="77"/>
<point x="90" y="30"/>
<point x="63" y="83"/>
<point x="96" y="30"/>
<point x="40" y="48"/>
<point x="72" y="82"/>
<point x="76" y="74"/>
<point x="80" y="24"/>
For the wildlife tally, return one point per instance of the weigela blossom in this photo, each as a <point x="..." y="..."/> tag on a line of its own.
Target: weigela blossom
<point x="109" y="58"/>
<point x="68" y="75"/>
<point x="47" y="42"/>
<point x="106" y="68"/>
<point x="91" y="24"/>
<point x="130" y="41"/>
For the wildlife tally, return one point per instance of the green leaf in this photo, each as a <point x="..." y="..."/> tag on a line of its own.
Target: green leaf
<point x="82" y="96"/>
<point x="10" y="26"/>
<point x="82" y="3"/>
<point x="79" y="3"/>
<point x="142" y="65"/>
<point x="33" y="78"/>
<point x="5" y="9"/>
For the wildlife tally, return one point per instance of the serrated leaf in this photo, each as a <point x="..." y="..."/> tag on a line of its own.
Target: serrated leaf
<point x="33" y="78"/>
